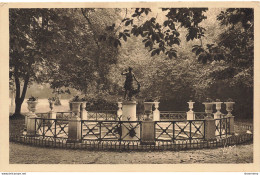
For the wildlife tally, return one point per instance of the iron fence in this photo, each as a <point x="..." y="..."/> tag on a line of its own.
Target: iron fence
<point x="63" y="115"/>
<point x="132" y="145"/>
<point x="179" y="130"/>
<point x="103" y="115"/>
<point x="55" y="128"/>
<point x="104" y="130"/>
<point x="110" y="130"/>
<point x="222" y="126"/>
<point x="170" y="115"/>
<point x="200" y="115"/>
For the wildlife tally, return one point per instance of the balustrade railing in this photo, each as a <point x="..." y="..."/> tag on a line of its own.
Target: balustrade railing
<point x="170" y="115"/>
<point x="200" y="115"/>
<point x="63" y="115"/>
<point x="103" y="115"/>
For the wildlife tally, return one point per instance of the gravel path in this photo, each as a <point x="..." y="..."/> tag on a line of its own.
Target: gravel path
<point x="25" y="154"/>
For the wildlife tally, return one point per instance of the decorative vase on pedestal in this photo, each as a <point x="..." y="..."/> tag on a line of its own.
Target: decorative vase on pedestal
<point x="208" y="108"/>
<point x="75" y="108"/>
<point x="31" y="118"/>
<point x="190" y="113"/>
<point x="229" y="108"/>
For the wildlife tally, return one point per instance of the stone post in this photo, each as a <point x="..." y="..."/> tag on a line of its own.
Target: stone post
<point x="231" y="125"/>
<point x="217" y="115"/>
<point x="156" y="112"/>
<point x="129" y="114"/>
<point x="148" y="132"/>
<point x="83" y="111"/>
<point x="210" y="128"/>
<point x="119" y="111"/>
<point x="51" y="115"/>
<point x="31" y="119"/>
<point x="74" y="134"/>
<point x="218" y="108"/>
<point x="229" y="108"/>
<point x="190" y="113"/>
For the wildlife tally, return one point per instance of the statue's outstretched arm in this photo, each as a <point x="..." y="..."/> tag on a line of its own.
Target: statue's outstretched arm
<point x="124" y="73"/>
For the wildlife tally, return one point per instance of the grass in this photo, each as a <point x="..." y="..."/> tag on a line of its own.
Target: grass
<point x="24" y="154"/>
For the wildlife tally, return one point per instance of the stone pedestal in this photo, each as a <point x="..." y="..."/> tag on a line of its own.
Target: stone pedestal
<point x="217" y="115"/>
<point x="74" y="130"/>
<point x="129" y="111"/>
<point x="83" y="112"/>
<point x="148" y="133"/>
<point x="119" y="111"/>
<point x="190" y="115"/>
<point x="51" y="115"/>
<point x="218" y="108"/>
<point x="29" y="118"/>
<point x="210" y="129"/>
<point x="231" y="124"/>
<point x="129" y="114"/>
<point x="31" y="125"/>
<point x="156" y="112"/>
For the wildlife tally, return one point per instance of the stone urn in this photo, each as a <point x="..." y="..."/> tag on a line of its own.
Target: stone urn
<point x="190" y="105"/>
<point x="148" y="109"/>
<point x="229" y="107"/>
<point x="208" y="108"/>
<point x="75" y="107"/>
<point x="32" y="106"/>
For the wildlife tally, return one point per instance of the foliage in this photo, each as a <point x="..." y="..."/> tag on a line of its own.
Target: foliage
<point x="161" y="37"/>
<point x="57" y="46"/>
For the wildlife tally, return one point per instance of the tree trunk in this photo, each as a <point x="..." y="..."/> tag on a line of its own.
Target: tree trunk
<point x="18" y="106"/>
<point x="19" y="100"/>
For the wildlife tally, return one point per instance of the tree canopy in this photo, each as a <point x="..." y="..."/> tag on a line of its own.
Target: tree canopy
<point x="176" y="53"/>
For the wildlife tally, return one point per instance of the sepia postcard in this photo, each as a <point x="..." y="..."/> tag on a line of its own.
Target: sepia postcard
<point x="130" y="87"/>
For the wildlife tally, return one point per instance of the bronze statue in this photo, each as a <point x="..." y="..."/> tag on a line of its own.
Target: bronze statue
<point x="129" y="84"/>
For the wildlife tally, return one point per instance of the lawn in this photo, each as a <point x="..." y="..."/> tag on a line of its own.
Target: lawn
<point x="24" y="154"/>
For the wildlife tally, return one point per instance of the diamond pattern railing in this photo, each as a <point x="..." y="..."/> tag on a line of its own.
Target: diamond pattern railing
<point x="110" y="130"/>
<point x="170" y="115"/>
<point x="179" y="130"/>
<point x="102" y="115"/>
<point x="51" y="128"/>
<point x="200" y="115"/>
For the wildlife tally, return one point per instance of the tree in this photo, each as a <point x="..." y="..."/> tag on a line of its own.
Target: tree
<point x="56" y="46"/>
